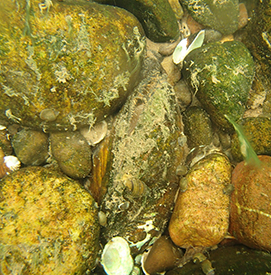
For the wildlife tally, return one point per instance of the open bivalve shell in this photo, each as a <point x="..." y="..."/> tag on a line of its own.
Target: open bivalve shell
<point x="183" y="48"/>
<point x="116" y="258"/>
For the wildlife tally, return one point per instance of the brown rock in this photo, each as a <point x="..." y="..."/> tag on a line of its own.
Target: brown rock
<point x="72" y="152"/>
<point x="164" y="255"/>
<point x="200" y="216"/>
<point x="31" y="147"/>
<point x="250" y="206"/>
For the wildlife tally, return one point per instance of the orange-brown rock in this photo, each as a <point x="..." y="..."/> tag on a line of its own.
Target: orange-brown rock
<point x="250" y="205"/>
<point x="201" y="213"/>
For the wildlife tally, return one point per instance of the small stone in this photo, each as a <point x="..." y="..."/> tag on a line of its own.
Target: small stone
<point x="163" y="255"/>
<point x="31" y="147"/>
<point x="72" y="152"/>
<point x="243" y="16"/>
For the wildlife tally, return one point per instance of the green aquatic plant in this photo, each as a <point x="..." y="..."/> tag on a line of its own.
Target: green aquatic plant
<point x="245" y="147"/>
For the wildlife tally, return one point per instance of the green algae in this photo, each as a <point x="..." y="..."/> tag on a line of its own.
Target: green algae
<point x="221" y="75"/>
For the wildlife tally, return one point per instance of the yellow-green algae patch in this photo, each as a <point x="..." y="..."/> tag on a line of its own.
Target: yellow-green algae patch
<point x="79" y="60"/>
<point x="48" y="224"/>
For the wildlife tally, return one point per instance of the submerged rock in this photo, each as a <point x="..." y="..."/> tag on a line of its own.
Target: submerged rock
<point x="66" y="65"/>
<point x="221" y="75"/>
<point x="146" y="152"/>
<point x="156" y="16"/>
<point x="218" y="15"/>
<point x="72" y="153"/>
<point x="31" y="147"/>
<point x="49" y="224"/>
<point x="250" y="219"/>
<point x="201" y="212"/>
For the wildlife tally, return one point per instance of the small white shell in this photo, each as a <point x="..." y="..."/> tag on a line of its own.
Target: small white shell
<point x="96" y="133"/>
<point x="182" y="49"/>
<point x="116" y="258"/>
<point x="102" y="218"/>
<point x="12" y="163"/>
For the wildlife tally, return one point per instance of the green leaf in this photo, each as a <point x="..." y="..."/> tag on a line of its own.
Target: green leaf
<point x="245" y="146"/>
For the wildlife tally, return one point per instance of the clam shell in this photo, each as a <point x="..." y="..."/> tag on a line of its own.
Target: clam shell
<point x="116" y="258"/>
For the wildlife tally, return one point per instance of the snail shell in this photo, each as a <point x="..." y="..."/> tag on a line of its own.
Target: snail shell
<point x="135" y="186"/>
<point x="199" y="258"/>
<point x="116" y="257"/>
<point x="207" y="268"/>
<point x="183" y="184"/>
<point x="49" y="114"/>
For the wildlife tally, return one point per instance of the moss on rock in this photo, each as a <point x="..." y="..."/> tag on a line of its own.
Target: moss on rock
<point x="221" y="75"/>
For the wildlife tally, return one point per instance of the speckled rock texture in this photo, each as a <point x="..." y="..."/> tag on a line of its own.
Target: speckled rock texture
<point x="221" y="75"/>
<point x="76" y="61"/>
<point x="147" y="148"/>
<point x="201" y="212"/>
<point x="220" y="15"/>
<point x="156" y="16"/>
<point x="250" y="219"/>
<point x="49" y="224"/>
<point x="72" y="153"/>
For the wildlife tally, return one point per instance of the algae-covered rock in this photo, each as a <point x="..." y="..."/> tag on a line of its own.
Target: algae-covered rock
<point x="66" y="65"/>
<point x="197" y="127"/>
<point x="221" y="75"/>
<point x="258" y="132"/>
<point x="258" y="40"/>
<point x="72" y="153"/>
<point x="31" y="147"/>
<point x="48" y="224"/>
<point x="221" y="15"/>
<point x="201" y="212"/>
<point x="156" y="16"/>
<point x="146" y="149"/>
